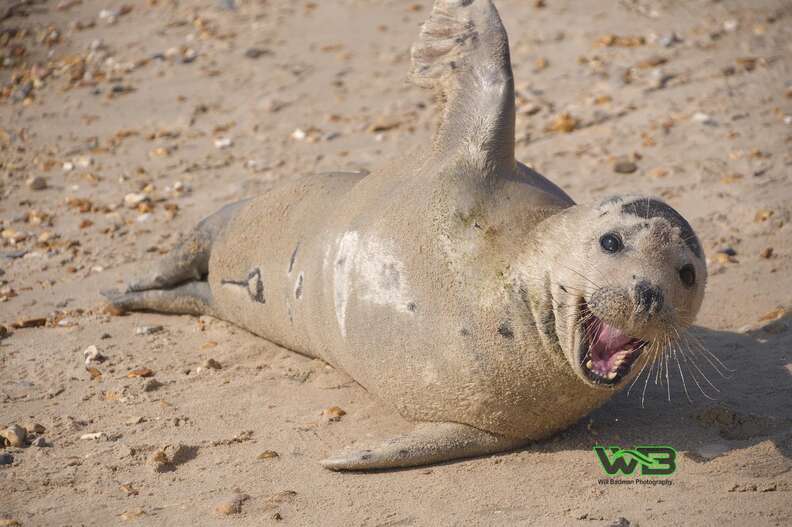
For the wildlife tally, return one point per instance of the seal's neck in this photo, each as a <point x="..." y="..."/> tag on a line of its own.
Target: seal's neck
<point x="536" y="275"/>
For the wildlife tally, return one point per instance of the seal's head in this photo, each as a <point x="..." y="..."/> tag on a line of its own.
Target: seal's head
<point x="632" y="282"/>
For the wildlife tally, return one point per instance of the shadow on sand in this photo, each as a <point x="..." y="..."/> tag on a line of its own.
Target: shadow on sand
<point x="752" y="403"/>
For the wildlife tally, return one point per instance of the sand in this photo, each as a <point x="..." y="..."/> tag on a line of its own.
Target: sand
<point x="139" y="122"/>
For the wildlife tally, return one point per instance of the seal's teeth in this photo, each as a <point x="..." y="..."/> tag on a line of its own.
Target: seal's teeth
<point x="589" y="365"/>
<point x="612" y="375"/>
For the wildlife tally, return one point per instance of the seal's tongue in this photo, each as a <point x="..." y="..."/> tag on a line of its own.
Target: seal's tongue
<point x="608" y="347"/>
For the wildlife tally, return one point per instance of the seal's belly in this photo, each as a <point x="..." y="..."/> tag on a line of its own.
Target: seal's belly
<point x="265" y="270"/>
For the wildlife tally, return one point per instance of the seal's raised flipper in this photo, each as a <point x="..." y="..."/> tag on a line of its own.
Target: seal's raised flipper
<point x="428" y="443"/>
<point x="190" y="259"/>
<point x="191" y="298"/>
<point x="463" y="53"/>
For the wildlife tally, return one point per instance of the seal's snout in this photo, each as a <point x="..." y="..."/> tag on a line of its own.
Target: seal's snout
<point x="648" y="298"/>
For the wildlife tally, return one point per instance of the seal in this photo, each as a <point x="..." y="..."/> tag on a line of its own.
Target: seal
<point x="458" y="285"/>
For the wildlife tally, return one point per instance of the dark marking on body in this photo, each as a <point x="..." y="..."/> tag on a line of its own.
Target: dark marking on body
<point x="299" y="289"/>
<point x="252" y="284"/>
<point x="505" y="330"/>
<point x="651" y="208"/>
<point x="293" y="257"/>
<point x="548" y="322"/>
<point x="464" y="332"/>
<point x="411" y="307"/>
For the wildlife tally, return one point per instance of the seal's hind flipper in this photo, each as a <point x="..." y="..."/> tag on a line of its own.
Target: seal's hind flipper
<point x="463" y="53"/>
<point x="428" y="443"/>
<point x="191" y="298"/>
<point x="190" y="259"/>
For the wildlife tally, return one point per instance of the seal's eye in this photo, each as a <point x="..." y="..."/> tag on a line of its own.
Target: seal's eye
<point x="611" y="243"/>
<point x="688" y="275"/>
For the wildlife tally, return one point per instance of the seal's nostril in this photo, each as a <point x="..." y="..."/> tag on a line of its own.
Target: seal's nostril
<point x="648" y="299"/>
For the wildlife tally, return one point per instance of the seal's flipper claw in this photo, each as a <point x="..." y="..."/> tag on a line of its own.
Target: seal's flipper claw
<point x="192" y="298"/>
<point x="428" y="443"/>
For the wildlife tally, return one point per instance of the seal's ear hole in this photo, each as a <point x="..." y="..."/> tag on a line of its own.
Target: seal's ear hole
<point x="611" y="242"/>
<point x="688" y="275"/>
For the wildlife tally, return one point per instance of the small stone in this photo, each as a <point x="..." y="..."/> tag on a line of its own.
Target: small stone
<point x="563" y="123"/>
<point x="223" y="142"/>
<point x="268" y="454"/>
<point x="148" y="330"/>
<point x="231" y="504"/>
<point x="211" y="364"/>
<point x="15" y="435"/>
<point x="6" y="458"/>
<point x="625" y="167"/>
<point x="40" y="442"/>
<point x="703" y="118"/>
<point x="254" y="53"/>
<point x="95" y="436"/>
<point x="37" y="183"/>
<point x="35" y="428"/>
<point x="160" y="461"/>
<point x="132" y="514"/>
<point x="92" y="354"/>
<point x="129" y="489"/>
<point x="133" y="199"/>
<point x="334" y="413"/>
<point x="140" y="372"/>
<point x="766" y="253"/>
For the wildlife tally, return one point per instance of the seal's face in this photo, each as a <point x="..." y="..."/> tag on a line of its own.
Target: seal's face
<point x="641" y="286"/>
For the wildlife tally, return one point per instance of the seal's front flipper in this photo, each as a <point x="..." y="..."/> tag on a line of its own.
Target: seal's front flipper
<point x="428" y="443"/>
<point x="463" y="54"/>
<point x="192" y="298"/>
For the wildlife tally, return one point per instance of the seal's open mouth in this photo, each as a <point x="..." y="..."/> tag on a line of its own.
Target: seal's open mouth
<point x="606" y="353"/>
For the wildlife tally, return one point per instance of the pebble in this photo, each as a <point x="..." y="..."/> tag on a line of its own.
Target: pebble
<point x="669" y="40"/>
<point x="231" y="504"/>
<point x="254" y="53"/>
<point x="625" y="167"/>
<point x="160" y="461"/>
<point x="37" y="183"/>
<point x="40" y="442"/>
<point x="148" y="330"/>
<point x="268" y="454"/>
<point x="705" y="119"/>
<point x="140" y="372"/>
<point x="212" y="364"/>
<point x="35" y="428"/>
<point x="92" y="354"/>
<point x="223" y="142"/>
<point x="15" y="435"/>
<point x="334" y="413"/>
<point x="6" y="458"/>
<point x="133" y="199"/>
<point x="95" y="436"/>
